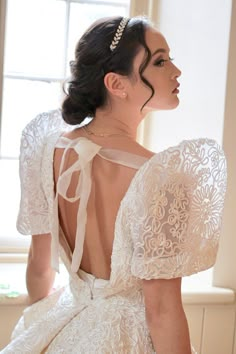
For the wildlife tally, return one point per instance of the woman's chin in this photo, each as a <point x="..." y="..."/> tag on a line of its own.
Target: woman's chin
<point x="174" y="104"/>
<point x="162" y="107"/>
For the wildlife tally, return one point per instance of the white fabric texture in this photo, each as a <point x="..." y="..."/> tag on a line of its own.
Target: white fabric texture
<point x="179" y="232"/>
<point x="168" y="225"/>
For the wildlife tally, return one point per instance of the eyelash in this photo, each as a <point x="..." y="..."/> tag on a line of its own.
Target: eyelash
<point x="161" y="62"/>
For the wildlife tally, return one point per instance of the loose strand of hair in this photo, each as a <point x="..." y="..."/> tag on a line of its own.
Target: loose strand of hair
<point x="142" y="68"/>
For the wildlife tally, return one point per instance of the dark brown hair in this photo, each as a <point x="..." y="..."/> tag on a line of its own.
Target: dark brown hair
<point x="93" y="60"/>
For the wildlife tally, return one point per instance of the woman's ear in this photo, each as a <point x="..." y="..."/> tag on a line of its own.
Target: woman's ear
<point x="115" y="84"/>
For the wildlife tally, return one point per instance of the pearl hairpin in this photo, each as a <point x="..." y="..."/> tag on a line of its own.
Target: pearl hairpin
<point x="118" y="33"/>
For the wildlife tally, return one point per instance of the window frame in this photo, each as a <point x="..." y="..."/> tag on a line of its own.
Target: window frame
<point x="3" y="18"/>
<point x="18" y="244"/>
<point x="3" y="9"/>
<point x="225" y="260"/>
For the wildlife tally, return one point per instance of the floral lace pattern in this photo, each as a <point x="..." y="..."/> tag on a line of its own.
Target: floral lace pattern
<point x="178" y="228"/>
<point x="168" y="225"/>
<point x="33" y="216"/>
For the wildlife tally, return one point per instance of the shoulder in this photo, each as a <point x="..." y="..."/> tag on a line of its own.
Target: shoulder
<point x="190" y="153"/>
<point x="193" y="163"/>
<point x="45" y="124"/>
<point x="189" y="157"/>
<point x="35" y="135"/>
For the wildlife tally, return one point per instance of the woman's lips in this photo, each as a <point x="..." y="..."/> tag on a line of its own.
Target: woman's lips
<point x="176" y="89"/>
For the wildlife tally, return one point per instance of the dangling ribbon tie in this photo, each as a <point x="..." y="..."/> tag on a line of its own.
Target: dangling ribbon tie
<point x="86" y="151"/>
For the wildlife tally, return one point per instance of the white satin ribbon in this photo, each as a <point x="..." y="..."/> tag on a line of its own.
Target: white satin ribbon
<point x="86" y="151"/>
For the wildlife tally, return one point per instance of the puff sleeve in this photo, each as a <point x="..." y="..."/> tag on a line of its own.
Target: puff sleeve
<point x="179" y="210"/>
<point x="33" y="216"/>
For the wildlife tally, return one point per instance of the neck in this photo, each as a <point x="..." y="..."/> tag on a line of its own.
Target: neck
<point x="107" y="123"/>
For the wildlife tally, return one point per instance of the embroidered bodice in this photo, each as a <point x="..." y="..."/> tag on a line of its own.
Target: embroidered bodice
<point x="168" y="225"/>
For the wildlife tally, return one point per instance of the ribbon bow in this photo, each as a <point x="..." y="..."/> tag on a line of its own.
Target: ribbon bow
<point x="86" y="151"/>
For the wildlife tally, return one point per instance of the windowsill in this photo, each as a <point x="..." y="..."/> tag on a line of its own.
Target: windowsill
<point x="19" y="300"/>
<point x="197" y="289"/>
<point x="210" y="295"/>
<point x="194" y="290"/>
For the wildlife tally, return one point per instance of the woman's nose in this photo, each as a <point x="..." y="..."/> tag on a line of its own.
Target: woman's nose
<point x="176" y="71"/>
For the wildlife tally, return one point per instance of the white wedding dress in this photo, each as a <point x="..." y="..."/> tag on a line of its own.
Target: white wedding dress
<point x="168" y="225"/>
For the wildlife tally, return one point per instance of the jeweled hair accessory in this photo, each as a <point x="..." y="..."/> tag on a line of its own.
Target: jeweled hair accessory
<point x="119" y="33"/>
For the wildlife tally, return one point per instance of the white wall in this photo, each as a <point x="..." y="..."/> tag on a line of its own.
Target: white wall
<point x="198" y="35"/>
<point x="225" y="270"/>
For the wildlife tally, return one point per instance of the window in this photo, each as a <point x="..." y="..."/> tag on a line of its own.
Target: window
<point x="40" y="37"/>
<point x="39" y="40"/>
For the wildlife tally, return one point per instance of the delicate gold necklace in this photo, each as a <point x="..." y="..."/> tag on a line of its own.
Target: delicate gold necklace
<point x="103" y="135"/>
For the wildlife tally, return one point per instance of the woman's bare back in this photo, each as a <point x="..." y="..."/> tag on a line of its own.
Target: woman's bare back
<point x="110" y="182"/>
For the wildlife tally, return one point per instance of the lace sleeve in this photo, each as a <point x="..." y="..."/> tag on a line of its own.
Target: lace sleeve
<point x="33" y="216"/>
<point x="178" y="230"/>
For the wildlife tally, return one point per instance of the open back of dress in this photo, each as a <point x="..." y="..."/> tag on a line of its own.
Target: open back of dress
<point x="118" y="222"/>
<point x="90" y="184"/>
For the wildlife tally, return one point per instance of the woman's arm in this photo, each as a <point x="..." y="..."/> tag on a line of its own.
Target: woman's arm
<point x="39" y="274"/>
<point x="165" y="316"/>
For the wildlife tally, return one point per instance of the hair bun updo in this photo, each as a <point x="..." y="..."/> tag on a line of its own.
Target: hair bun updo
<point x="86" y="91"/>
